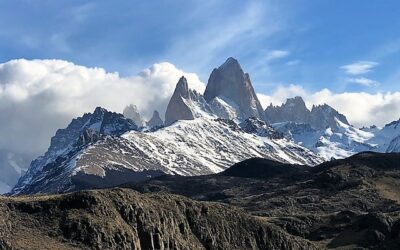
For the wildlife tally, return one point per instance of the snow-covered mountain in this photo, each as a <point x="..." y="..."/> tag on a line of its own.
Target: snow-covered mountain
<point x="80" y="132"/>
<point x="340" y="139"/>
<point x="106" y="149"/>
<point x="201" y="135"/>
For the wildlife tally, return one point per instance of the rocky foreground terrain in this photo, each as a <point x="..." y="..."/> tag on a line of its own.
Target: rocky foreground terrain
<point x="126" y="219"/>
<point x="352" y="203"/>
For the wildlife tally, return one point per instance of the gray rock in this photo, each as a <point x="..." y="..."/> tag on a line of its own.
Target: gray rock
<point x="155" y="120"/>
<point x="229" y="81"/>
<point x="294" y="110"/>
<point x="180" y="104"/>
<point x="323" y="116"/>
<point x="132" y="112"/>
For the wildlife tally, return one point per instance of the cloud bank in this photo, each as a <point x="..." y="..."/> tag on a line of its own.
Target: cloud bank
<point x="360" y="108"/>
<point x="39" y="96"/>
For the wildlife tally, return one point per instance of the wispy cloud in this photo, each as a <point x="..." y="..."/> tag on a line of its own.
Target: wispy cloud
<point x="363" y="81"/>
<point x="359" y="68"/>
<point x="276" y="54"/>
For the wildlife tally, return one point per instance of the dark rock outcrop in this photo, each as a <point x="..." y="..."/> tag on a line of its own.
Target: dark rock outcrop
<point x="350" y="203"/>
<point x="125" y="219"/>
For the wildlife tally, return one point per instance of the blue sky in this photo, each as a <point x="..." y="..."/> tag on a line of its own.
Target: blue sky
<point x="343" y="45"/>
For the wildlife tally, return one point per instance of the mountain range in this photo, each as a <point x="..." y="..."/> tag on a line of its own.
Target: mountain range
<point x="202" y="134"/>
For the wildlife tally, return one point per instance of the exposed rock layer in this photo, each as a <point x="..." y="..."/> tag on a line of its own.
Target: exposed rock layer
<point x="125" y="219"/>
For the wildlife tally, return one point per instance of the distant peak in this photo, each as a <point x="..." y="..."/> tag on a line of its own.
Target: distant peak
<point x="296" y="99"/>
<point x="231" y="60"/>
<point x="100" y="110"/>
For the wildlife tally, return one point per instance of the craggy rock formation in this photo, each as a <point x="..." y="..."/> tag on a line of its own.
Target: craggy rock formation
<point x="294" y="110"/>
<point x="229" y="81"/>
<point x="180" y="104"/>
<point x="125" y="219"/>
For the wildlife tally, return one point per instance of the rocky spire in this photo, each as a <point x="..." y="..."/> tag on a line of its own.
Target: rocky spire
<point x="132" y="112"/>
<point x="180" y="104"/>
<point x="229" y="81"/>
<point x="155" y="120"/>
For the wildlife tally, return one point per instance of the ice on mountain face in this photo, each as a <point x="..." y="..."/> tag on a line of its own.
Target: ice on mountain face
<point x="329" y="143"/>
<point x="324" y="116"/>
<point x="186" y="104"/>
<point x="224" y="108"/>
<point x="394" y="145"/>
<point x="384" y="136"/>
<point x="230" y="82"/>
<point x="132" y="113"/>
<point x="187" y="147"/>
<point x="155" y="121"/>
<point x="80" y="131"/>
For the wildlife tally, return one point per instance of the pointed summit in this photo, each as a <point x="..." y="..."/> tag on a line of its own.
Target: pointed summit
<point x="229" y="81"/>
<point x="324" y="116"/>
<point x="155" y="120"/>
<point x="179" y="106"/>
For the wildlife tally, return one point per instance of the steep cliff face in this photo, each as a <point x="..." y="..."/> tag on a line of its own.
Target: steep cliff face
<point x="230" y="82"/>
<point x="125" y="219"/>
<point x="180" y="104"/>
<point x="294" y="110"/>
<point x="324" y="116"/>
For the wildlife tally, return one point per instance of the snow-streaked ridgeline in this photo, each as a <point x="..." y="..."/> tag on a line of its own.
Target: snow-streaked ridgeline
<point x="202" y="134"/>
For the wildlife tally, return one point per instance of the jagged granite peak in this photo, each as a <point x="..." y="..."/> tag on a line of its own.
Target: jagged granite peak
<point x="81" y="131"/>
<point x="155" y="120"/>
<point x="294" y="110"/>
<point x="180" y="104"/>
<point x="323" y="116"/>
<point x="132" y="112"/>
<point x="230" y="81"/>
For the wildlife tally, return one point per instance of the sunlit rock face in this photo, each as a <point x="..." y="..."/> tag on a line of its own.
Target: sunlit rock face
<point x="230" y="82"/>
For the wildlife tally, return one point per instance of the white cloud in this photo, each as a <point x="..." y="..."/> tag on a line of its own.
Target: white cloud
<point x="363" y="81"/>
<point x="360" y="108"/>
<point x="276" y="54"/>
<point x="359" y="68"/>
<point x="39" y="96"/>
